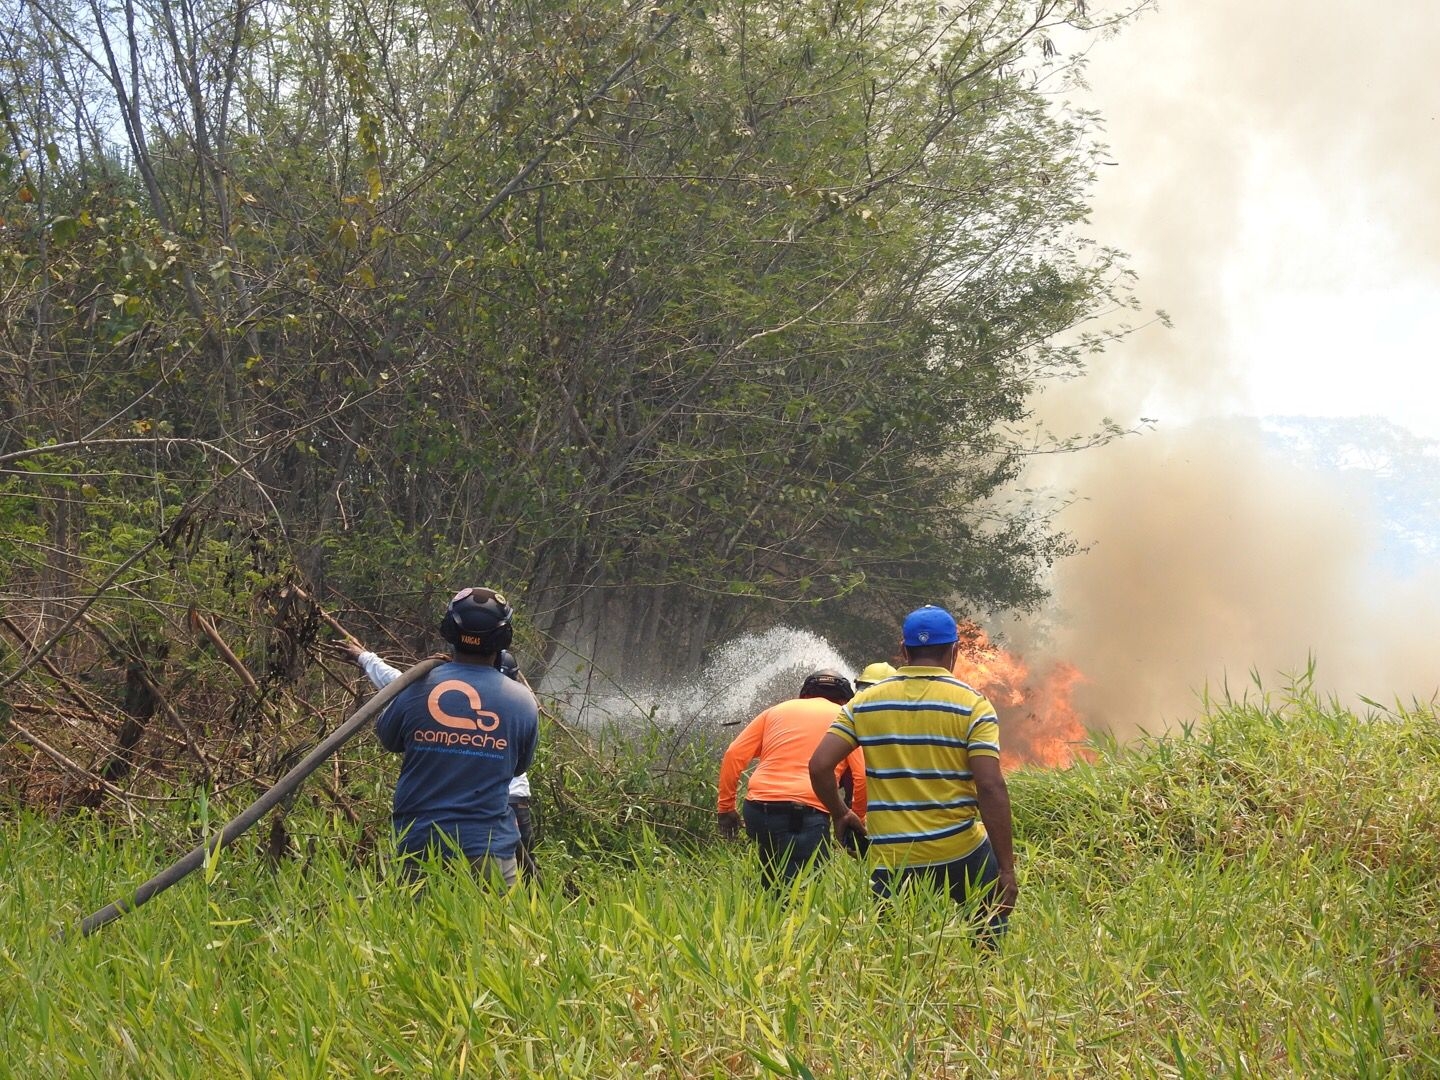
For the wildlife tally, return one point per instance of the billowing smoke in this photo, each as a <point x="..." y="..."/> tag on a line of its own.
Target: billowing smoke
<point x="1265" y="156"/>
<point x="1212" y="557"/>
<point x="1211" y="554"/>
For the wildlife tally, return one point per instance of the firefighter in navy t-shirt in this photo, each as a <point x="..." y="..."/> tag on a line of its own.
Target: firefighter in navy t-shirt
<point x="465" y="731"/>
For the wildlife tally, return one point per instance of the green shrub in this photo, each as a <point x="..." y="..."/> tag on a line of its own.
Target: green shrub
<point x="1255" y="896"/>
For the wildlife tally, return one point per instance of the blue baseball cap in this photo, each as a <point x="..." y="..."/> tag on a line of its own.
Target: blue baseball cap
<point x="929" y="625"/>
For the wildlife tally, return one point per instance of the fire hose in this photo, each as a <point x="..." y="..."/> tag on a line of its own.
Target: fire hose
<point x="239" y="825"/>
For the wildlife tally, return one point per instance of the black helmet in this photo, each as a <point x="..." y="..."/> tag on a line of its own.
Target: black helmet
<point x="507" y="664"/>
<point x="478" y="621"/>
<point x="827" y="684"/>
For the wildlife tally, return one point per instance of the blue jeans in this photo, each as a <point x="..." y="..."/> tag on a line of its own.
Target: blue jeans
<point x="969" y="879"/>
<point x="789" y="835"/>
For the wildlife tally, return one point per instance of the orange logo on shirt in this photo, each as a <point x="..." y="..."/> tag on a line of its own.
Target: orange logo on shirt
<point x="480" y="719"/>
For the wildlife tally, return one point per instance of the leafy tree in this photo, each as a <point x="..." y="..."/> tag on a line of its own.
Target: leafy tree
<point x="669" y="319"/>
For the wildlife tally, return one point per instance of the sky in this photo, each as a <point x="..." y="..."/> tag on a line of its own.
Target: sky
<point x="1275" y="185"/>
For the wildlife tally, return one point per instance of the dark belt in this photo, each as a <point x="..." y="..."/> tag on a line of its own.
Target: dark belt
<point x="798" y="811"/>
<point x="780" y="807"/>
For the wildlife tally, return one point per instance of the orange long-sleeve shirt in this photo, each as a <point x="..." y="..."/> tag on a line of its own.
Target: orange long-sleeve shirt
<point x="783" y="737"/>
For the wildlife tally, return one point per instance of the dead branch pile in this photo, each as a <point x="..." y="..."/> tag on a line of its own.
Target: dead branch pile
<point x="114" y="718"/>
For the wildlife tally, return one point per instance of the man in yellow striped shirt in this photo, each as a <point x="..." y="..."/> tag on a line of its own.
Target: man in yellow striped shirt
<point x="938" y="805"/>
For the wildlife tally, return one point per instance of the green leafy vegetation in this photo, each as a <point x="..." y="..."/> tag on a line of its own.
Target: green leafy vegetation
<point x="1256" y="896"/>
<point x="654" y="314"/>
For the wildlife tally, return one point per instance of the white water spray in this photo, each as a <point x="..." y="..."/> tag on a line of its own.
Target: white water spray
<point x="741" y="678"/>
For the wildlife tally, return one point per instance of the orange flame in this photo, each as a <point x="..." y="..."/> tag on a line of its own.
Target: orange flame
<point x="1039" y="724"/>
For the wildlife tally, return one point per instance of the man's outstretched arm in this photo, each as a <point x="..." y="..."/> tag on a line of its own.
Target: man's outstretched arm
<point x="376" y="670"/>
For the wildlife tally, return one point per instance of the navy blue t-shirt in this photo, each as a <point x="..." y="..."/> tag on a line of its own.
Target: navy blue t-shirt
<point x="465" y="731"/>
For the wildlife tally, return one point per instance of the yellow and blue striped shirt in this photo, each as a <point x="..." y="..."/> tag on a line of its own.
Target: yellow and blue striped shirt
<point x="919" y="730"/>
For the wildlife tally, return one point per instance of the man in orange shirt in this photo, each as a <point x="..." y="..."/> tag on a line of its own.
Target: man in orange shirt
<point x="783" y="815"/>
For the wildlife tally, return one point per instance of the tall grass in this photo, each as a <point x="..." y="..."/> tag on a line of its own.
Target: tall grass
<point x="1254" y="897"/>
